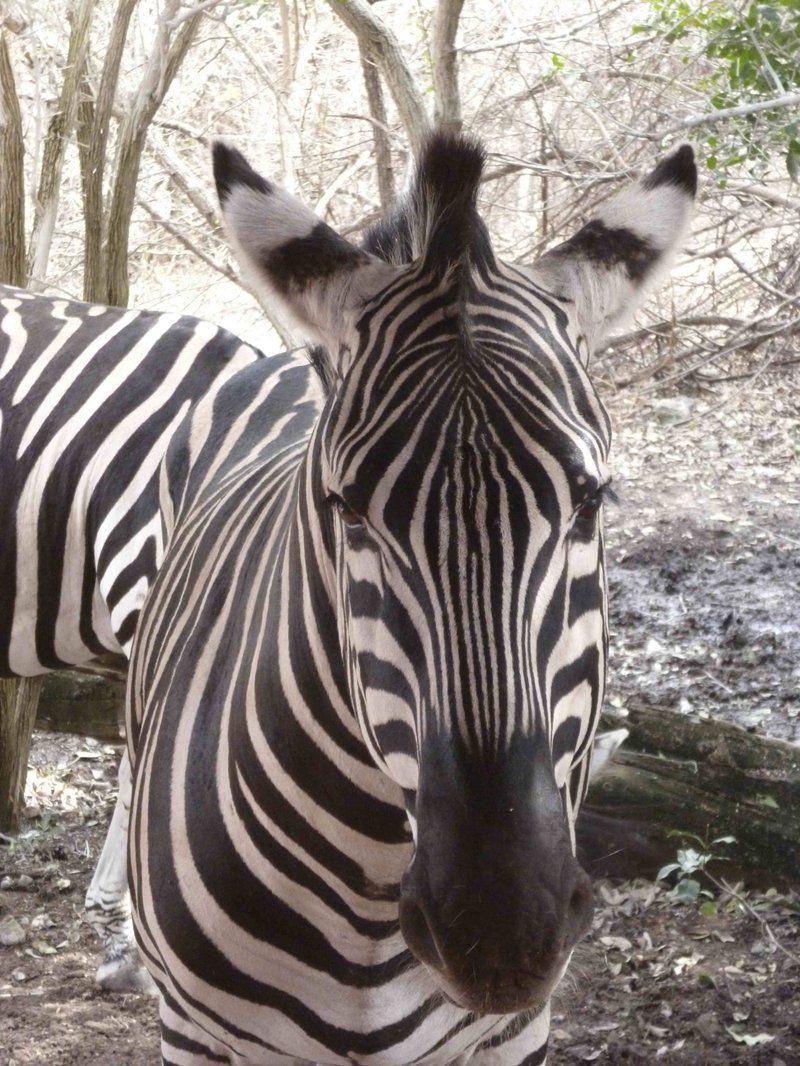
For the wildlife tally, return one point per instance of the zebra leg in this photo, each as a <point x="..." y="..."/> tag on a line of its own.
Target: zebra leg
<point x="108" y="904"/>
<point x="523" y="1042"/>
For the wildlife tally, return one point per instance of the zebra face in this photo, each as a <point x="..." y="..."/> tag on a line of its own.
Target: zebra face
<point x="459" y="470"/>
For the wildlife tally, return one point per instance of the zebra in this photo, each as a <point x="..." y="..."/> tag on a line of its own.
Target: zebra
<point x="364" y="685"/>
<point x="89" y="398"/>
<point x="94" y="392"/>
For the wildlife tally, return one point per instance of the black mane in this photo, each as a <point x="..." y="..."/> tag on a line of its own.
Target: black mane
<point x="436" y="218"/>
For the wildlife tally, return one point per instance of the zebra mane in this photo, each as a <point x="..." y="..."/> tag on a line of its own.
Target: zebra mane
<point x="436" y="219"/>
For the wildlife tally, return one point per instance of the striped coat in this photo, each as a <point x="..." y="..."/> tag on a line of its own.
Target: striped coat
<point x="90" y="396"/>
<point x="365" y="684"/>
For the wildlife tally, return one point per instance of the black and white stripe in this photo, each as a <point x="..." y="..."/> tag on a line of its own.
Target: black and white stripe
<point x="90" y="396"/>
<point x="365" y="684"/>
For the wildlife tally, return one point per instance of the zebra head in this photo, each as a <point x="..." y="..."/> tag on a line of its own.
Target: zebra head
<point x="459" y="470"/>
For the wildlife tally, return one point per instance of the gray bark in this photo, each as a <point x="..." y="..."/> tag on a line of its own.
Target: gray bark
<point x="447" y="103"/>
<point x="164" y="63"/>
<point x="12" y="180"/>
<point x="61" y="128"/>
<point x="380" y="133"/>
<point x="18" y="702"/>
<point x="95" y="140"/>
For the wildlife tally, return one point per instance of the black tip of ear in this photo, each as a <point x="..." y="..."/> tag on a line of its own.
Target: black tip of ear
<point x="679" y="169"/>
<point x="232" y="169"/>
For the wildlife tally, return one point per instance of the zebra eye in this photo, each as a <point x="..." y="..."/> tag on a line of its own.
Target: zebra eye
<point x="591" y="505"/>
<point x="586" y="514"/>
<point x="350" y="519"/>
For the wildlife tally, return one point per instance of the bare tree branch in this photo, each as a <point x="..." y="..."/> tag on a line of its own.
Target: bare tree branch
<point x="94" y="274"/>
<point x="61" y="127"/>
<point x="172" y="165"/>
<point x="763" y="192"/>
<point x="713" y="117"/>
<point x="666" y="326"/>
<point x="447" y="103"/>
<point x="179" y="234"/>
<point x="165" y="60"/>
<point x="382" y="44"/>
<point x="380" y="133"/>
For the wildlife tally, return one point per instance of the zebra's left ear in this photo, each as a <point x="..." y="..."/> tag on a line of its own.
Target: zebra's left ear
<point x="611" y="264"/>
<point x="316" y="276"/>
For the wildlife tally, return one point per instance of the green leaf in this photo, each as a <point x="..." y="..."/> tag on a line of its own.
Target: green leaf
<point x="665" y="871"/>
<point x="793" y="166"/>
<point x="557" y="61"/>
<point x="688" y="890"/>
<point x="709" y="908"/>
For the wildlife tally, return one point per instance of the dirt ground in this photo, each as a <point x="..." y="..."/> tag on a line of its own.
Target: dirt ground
<point x="50" y="1009"/>
<point x="704" y="557"/>
<point x="704" y="581"/>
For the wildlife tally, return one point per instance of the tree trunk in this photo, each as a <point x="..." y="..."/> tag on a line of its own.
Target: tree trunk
<point x="164" y="63"/>
<point x="447" y="102"/>
<point x="383" y="46"/>
<point x="18" y="699"/>
<point x="707" y="778"/>
<point x="18" y="702"/>
<point x="12" y="180"/>
<point x="380" y="132"/>
<point x="59" y="131"/>
<point x="95" y="143"/>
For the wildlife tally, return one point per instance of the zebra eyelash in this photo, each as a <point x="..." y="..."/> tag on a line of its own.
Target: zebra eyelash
<point x="604" y="493"/>
<point x="608" y="493"/>
<point x="584" y="515"/>
<point x="350" y="518"/>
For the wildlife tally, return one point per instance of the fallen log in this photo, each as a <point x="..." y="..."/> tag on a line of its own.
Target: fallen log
<point x="92" y="705"/>
<point x="674" y="774"/>
<point x="696" y="776"/>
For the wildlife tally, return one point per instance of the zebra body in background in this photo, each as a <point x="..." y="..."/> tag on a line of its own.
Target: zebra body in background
<point x="89" y="399"/>
<point x="365" y="683"/>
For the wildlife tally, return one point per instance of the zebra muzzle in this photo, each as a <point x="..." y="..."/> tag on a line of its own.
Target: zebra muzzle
<point x="494" y="900"/>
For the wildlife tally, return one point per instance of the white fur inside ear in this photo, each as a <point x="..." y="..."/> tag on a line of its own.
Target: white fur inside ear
<point x="322" y="306"/>
<point x="258" y="222"/>
<point x="326" y="311"/>
<point x="660" y="216"/>
<point x="603" y="294"/>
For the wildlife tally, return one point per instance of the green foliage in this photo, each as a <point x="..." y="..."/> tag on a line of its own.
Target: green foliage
<point x="755" y="55"/>
<point x="691" y="862"/>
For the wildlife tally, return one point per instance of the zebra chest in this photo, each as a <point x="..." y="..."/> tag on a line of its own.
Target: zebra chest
<point x="266" y="937"/>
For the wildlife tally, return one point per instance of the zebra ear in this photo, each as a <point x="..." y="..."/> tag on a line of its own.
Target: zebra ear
<point x="315" y="275"/>
<point x="610" y="265"/>
<point x="603" y="748"/>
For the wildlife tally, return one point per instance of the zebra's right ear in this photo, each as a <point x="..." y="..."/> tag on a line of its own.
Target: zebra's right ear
<point x="320" y="279"/>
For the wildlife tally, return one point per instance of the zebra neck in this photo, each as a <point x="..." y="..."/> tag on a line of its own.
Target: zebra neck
<point x="296" y="747"/>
